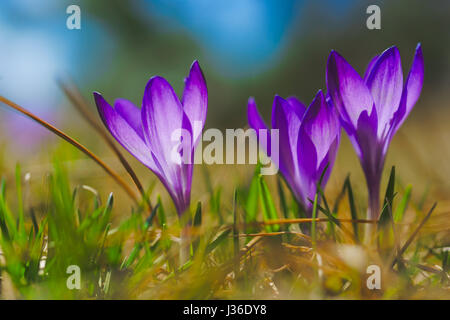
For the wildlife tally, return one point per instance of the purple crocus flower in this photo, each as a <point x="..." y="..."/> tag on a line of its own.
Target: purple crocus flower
<point x="309" y="140"/>
<point x="374" y="107"/>
<point x="148" y="133"/>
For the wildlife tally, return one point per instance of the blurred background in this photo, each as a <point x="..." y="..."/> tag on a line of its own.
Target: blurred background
<point x="245" y="47"/>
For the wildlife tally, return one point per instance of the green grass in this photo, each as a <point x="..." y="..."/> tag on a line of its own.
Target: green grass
<point x="236" y="251"/>
<point x="248" y="236"/>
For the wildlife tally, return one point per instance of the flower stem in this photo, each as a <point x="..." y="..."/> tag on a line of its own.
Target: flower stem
<point x="185" y="244"/>
<point x="373" y="210"/>
<point x="374" y="203"/>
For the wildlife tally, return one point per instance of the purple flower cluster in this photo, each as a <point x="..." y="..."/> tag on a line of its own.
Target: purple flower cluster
<point x="370" y="109"/>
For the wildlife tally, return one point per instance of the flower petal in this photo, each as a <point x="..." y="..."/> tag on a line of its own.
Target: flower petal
<point x="176" y="178"/>
<point x="121" y="130"/>
<point x="414" y="82"/>
<point x="329" y="160"/>
<point x="385" y="82"/>
<point x="317" y="145"/>
<point x="257" y="123"/>
<point x="195" y="99"/>
<point x="254" y="118"/>
<point x="369" y="148"/>
<point x="298" y="106"/>
<point x="131" y="114"/>
<point x="162" y="115"/>
<point x="349" y="93"/>
<point x="286" y="120"/>
<point x="182" y="187"/>
<point x="307" y="164"/>
<point x="413" y="87"/>
<point x="370" y="66"/>
<point x="321" y="124"/>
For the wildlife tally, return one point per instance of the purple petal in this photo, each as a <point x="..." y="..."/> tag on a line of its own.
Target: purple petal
<point x="257" y="123"/>
<point x="414" y="81"/>
<point x="349" y="93"/>
<point x="121" y="130"/>
<point x="162" y="116"/>
<point x="131" y="114"/>
<point x="370" y="66"/>
<point x="385" y="82"/>
<point x="371" y="157"/>
<point x="329" y="160"/>
<point x="413" y="87"/>
<point x="187" y="167"/>
<point x="321" y="124"/>
<point x="368" y="145"/>
<point x="285" y="119"/>
<point x="179" y="178"/>
<point x="307" y="164"/>
<point x="254" y="118"/>
<point x="298" y="106"/>
<point x="195" y="99"/>
<point x="317" y="145"/>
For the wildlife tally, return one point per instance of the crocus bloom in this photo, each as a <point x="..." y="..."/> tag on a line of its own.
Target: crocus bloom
<point x="309" y="140"/>
<point x="374" y="107"/>
<point x="148" y="133"/>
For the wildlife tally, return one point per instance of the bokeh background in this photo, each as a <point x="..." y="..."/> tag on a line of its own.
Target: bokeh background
<point x="246" y="48"/>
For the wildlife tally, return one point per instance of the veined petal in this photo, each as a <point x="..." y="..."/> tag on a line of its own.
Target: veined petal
<point x="414" y="81"/>
<point x="317" y="146"/>
<point x="131" y="114"/>
<point x="187" y="166"/>
<point x="412" y="88"/>
<point x="286" y="120"/>
<point x="298" y="106"/>
<point x="294" y="116"/>
<point x="195" y="99"/>
<point x="257" y="123"/>
<point x="254" y="117"/>
<point x="321" y="124"/>
<point x="329" y="160"/>
<point x="385" y="82"/>
<point x="369" y="147"/>
<point x="162" y="116"/>
<point x="124" y="133"/>
<point x="307" y="164"/>
<point x="370" y="66"/>
<point x="179" y="176"/>
<point x="350" y="95"/>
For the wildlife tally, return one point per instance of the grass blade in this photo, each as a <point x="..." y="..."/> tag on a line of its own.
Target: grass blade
<point x="21" y="220"/>
<point x="198" y="215"/>
<point x="251" y="205"/>
<point x="268" y="206"/>
<point x="388" y="200"/>
<point x="353" y="211"/>
<point x="74" y="95"/>
<point x="218" y="240"/>
<point x="75" y="143"/>
<point x="313" y="224"/>
<point x="282" y="196"/>
<point x="403" y="205"/>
